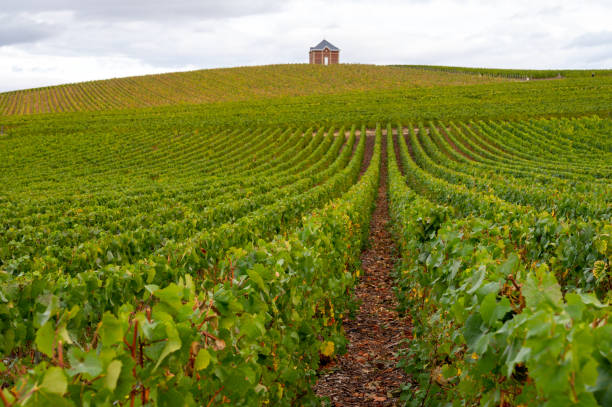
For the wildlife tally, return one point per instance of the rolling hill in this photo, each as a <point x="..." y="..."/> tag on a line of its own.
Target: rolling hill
<point x="223" y="85"/>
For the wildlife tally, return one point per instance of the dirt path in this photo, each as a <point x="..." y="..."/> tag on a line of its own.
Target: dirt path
<point x="367" y="374"/>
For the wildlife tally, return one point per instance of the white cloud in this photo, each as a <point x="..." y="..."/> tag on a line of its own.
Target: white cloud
<point x="20" y="70"/>
<point x="90" y="41"/>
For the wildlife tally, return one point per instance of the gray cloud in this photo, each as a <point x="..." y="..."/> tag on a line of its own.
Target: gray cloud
<point x="19" y="30"/>
<point x="146" y="10"/>
<point x="550" y="11"/>
<point x="593" y="39"/>
<point x="58" y="41"/>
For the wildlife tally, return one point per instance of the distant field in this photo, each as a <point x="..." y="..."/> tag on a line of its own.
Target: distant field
<point x="516" y="73"/>
<point x="498" y="100"/>
<point x="222" y="85"/>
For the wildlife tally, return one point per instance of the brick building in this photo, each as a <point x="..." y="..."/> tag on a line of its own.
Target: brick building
<point x="324" y="54"/>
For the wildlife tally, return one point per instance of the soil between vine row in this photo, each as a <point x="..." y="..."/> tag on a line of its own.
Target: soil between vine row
<point x="367" y="375"/>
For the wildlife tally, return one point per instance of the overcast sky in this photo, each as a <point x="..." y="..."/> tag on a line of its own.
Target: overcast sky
<point x="45" y="42"/>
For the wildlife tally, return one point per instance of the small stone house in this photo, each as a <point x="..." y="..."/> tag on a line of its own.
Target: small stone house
<point x="324" y="54"/>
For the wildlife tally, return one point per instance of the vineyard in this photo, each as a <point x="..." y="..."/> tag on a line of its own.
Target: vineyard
<point x="524" y="74"/>
<point x="504" y="231"/>
<point x="171" y="285"/>
<point x="222" y="85"/>
<point x="208" y="255"/>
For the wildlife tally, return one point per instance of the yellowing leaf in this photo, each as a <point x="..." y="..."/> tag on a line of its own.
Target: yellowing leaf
<point x="202" y="360"/>
<point x="112" y="374"/>
<point x="601" y="245"/>
<point x="327" y="348"/>
<point x="55" y="381"/>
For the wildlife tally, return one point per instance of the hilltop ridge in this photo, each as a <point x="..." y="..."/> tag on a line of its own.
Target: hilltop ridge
<point x="224" y="85"/>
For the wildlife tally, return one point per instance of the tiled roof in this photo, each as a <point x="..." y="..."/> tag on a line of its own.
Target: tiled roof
<point x="324" y="44"/>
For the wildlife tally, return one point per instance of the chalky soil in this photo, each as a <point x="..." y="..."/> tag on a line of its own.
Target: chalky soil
<point x="367" y="374"/>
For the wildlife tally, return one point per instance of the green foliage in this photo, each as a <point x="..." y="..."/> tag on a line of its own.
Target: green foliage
<point x="492" y="323"/>
<point x="518" y="73"/>
<point x="249" y="330"/>
<point x="189" y="255"/>
<point x="399" y="102"/>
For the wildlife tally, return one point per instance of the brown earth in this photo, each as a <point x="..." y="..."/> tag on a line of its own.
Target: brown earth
<point x="367" y="374"/>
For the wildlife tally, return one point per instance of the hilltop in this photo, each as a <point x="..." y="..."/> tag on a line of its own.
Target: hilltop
<point x="226" y="85"/>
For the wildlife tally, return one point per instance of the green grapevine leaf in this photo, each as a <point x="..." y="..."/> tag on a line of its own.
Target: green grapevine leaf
<point x="111" y="330"/>
<point x="86" y="363"/>
<point x="491" y="310"/>
<point x="510" y="265"/>
<point x="45" y="339"/>
<point x="55" y="381"/>
<point x="172" y="345"/>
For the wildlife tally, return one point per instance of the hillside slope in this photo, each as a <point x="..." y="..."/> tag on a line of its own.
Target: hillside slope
<point x="517" y="73"/>
<point x="223" y="85"/>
